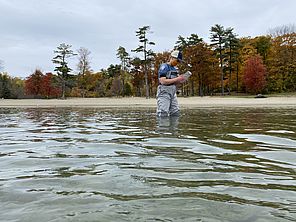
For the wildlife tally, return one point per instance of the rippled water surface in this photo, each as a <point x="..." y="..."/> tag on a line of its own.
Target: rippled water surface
<point x="126" y="165"/>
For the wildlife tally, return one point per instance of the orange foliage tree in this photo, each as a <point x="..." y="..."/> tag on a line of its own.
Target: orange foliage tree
<point x="49" y="86"/>
<point x="254" y="74"/>
<point x="204" y="68"/>
<point x="33" y="83"/>
<point x="40" y="85"/>
<point x="282" y="64"/>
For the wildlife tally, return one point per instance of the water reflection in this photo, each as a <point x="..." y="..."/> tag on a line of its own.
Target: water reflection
<point x="128" y="165"/>
<point x="167" y="124"/>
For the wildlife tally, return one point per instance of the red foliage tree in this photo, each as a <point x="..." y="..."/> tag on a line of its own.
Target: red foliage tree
<point x="48" y="88"/>
<point x="33" y="83"/>
<point x="40" y="85"/>
<point x="254" y="75"/>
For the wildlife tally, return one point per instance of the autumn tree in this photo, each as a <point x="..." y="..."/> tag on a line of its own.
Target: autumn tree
<point x="263" y="45"/>
<point x="83" y="67"/>
<point x="33" y="84"/>
<point x="49" y="86"/>
<point x="63" y="52"/>
<point x="282" y="65"/>
<point x="112" y="75"/>
<point x="204" y="68"/>
<point x="96" y="86"/>
<point x="194" y="50"/>
<point x="282" y="62"/>
<point x="147" y="53"/>
<point x="254" y="75"/>
<point x="245" y="51"/>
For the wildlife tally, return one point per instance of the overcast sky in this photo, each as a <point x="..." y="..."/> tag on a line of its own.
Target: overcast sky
<point x="30" y="30"/>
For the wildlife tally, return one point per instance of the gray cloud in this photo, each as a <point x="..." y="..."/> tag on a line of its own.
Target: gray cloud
<point x="32" y="29"/>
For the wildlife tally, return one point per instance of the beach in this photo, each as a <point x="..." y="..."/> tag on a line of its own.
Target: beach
<point x="133" y="102"/>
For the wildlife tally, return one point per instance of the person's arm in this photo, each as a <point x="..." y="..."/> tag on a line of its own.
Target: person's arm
<point x="162" y="73"/>
<point x="165" y="81"/>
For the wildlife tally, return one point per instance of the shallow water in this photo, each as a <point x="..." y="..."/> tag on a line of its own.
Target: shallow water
<point x="126" y="165"/>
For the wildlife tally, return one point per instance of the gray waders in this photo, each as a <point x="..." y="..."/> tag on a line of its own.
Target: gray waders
<point x="167" y="104"/>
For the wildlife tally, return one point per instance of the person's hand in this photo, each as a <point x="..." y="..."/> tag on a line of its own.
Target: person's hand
<point x="181" y="79"/>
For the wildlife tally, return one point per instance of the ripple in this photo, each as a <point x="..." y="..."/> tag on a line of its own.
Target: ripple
<point x="272" y="141"/>
<point x="281" y="131"/>
<point x="126" y="165"/>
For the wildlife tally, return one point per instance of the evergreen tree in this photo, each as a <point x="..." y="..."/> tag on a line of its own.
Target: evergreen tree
<point x="182" y="43"/>
<point x="124" y="58"/>
<point x="147" y="53"/>
<point x="231" y="46"/>
<point x="192" y="55"/>
<point x="218" y="39"/>
<point x="5" y="86"/>
<point x="63" y="52"/>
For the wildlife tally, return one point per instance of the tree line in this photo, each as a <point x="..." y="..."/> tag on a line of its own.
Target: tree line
<point x="226" y="65"/>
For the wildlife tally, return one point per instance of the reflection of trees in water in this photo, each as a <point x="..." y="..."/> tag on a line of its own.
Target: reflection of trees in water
<point x="253" y="119"/>
<point x="97" y="119"/>
<point x="202" y="123"/>
<point x="60" y="117"/>
<point x="56" y="116"/>
<point x="219" y="122"/>
<point x="269" y="119"/>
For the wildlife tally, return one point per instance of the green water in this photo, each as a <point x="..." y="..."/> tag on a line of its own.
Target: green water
<point x="127" y="165"/>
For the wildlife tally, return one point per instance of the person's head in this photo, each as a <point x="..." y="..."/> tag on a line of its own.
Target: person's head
<point x="176" y="57"/>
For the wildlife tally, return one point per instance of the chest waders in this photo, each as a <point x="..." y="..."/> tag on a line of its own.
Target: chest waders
<point x="167" y="104"/>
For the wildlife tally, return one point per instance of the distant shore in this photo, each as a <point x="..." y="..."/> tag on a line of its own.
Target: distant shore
<point x="134" y="102"/>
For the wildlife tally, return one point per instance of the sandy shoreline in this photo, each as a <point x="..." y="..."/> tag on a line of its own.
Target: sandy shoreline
<point x="134" y="102"/>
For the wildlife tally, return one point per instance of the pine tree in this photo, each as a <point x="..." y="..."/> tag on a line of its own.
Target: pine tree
<point x="124" y="58"/>
<point x="63" y="52"/>
<point x="147" y="53"/>
<point x="218" y="39"/>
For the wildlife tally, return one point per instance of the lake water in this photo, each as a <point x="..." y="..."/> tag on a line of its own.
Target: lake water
<point x="207" y="165"/>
